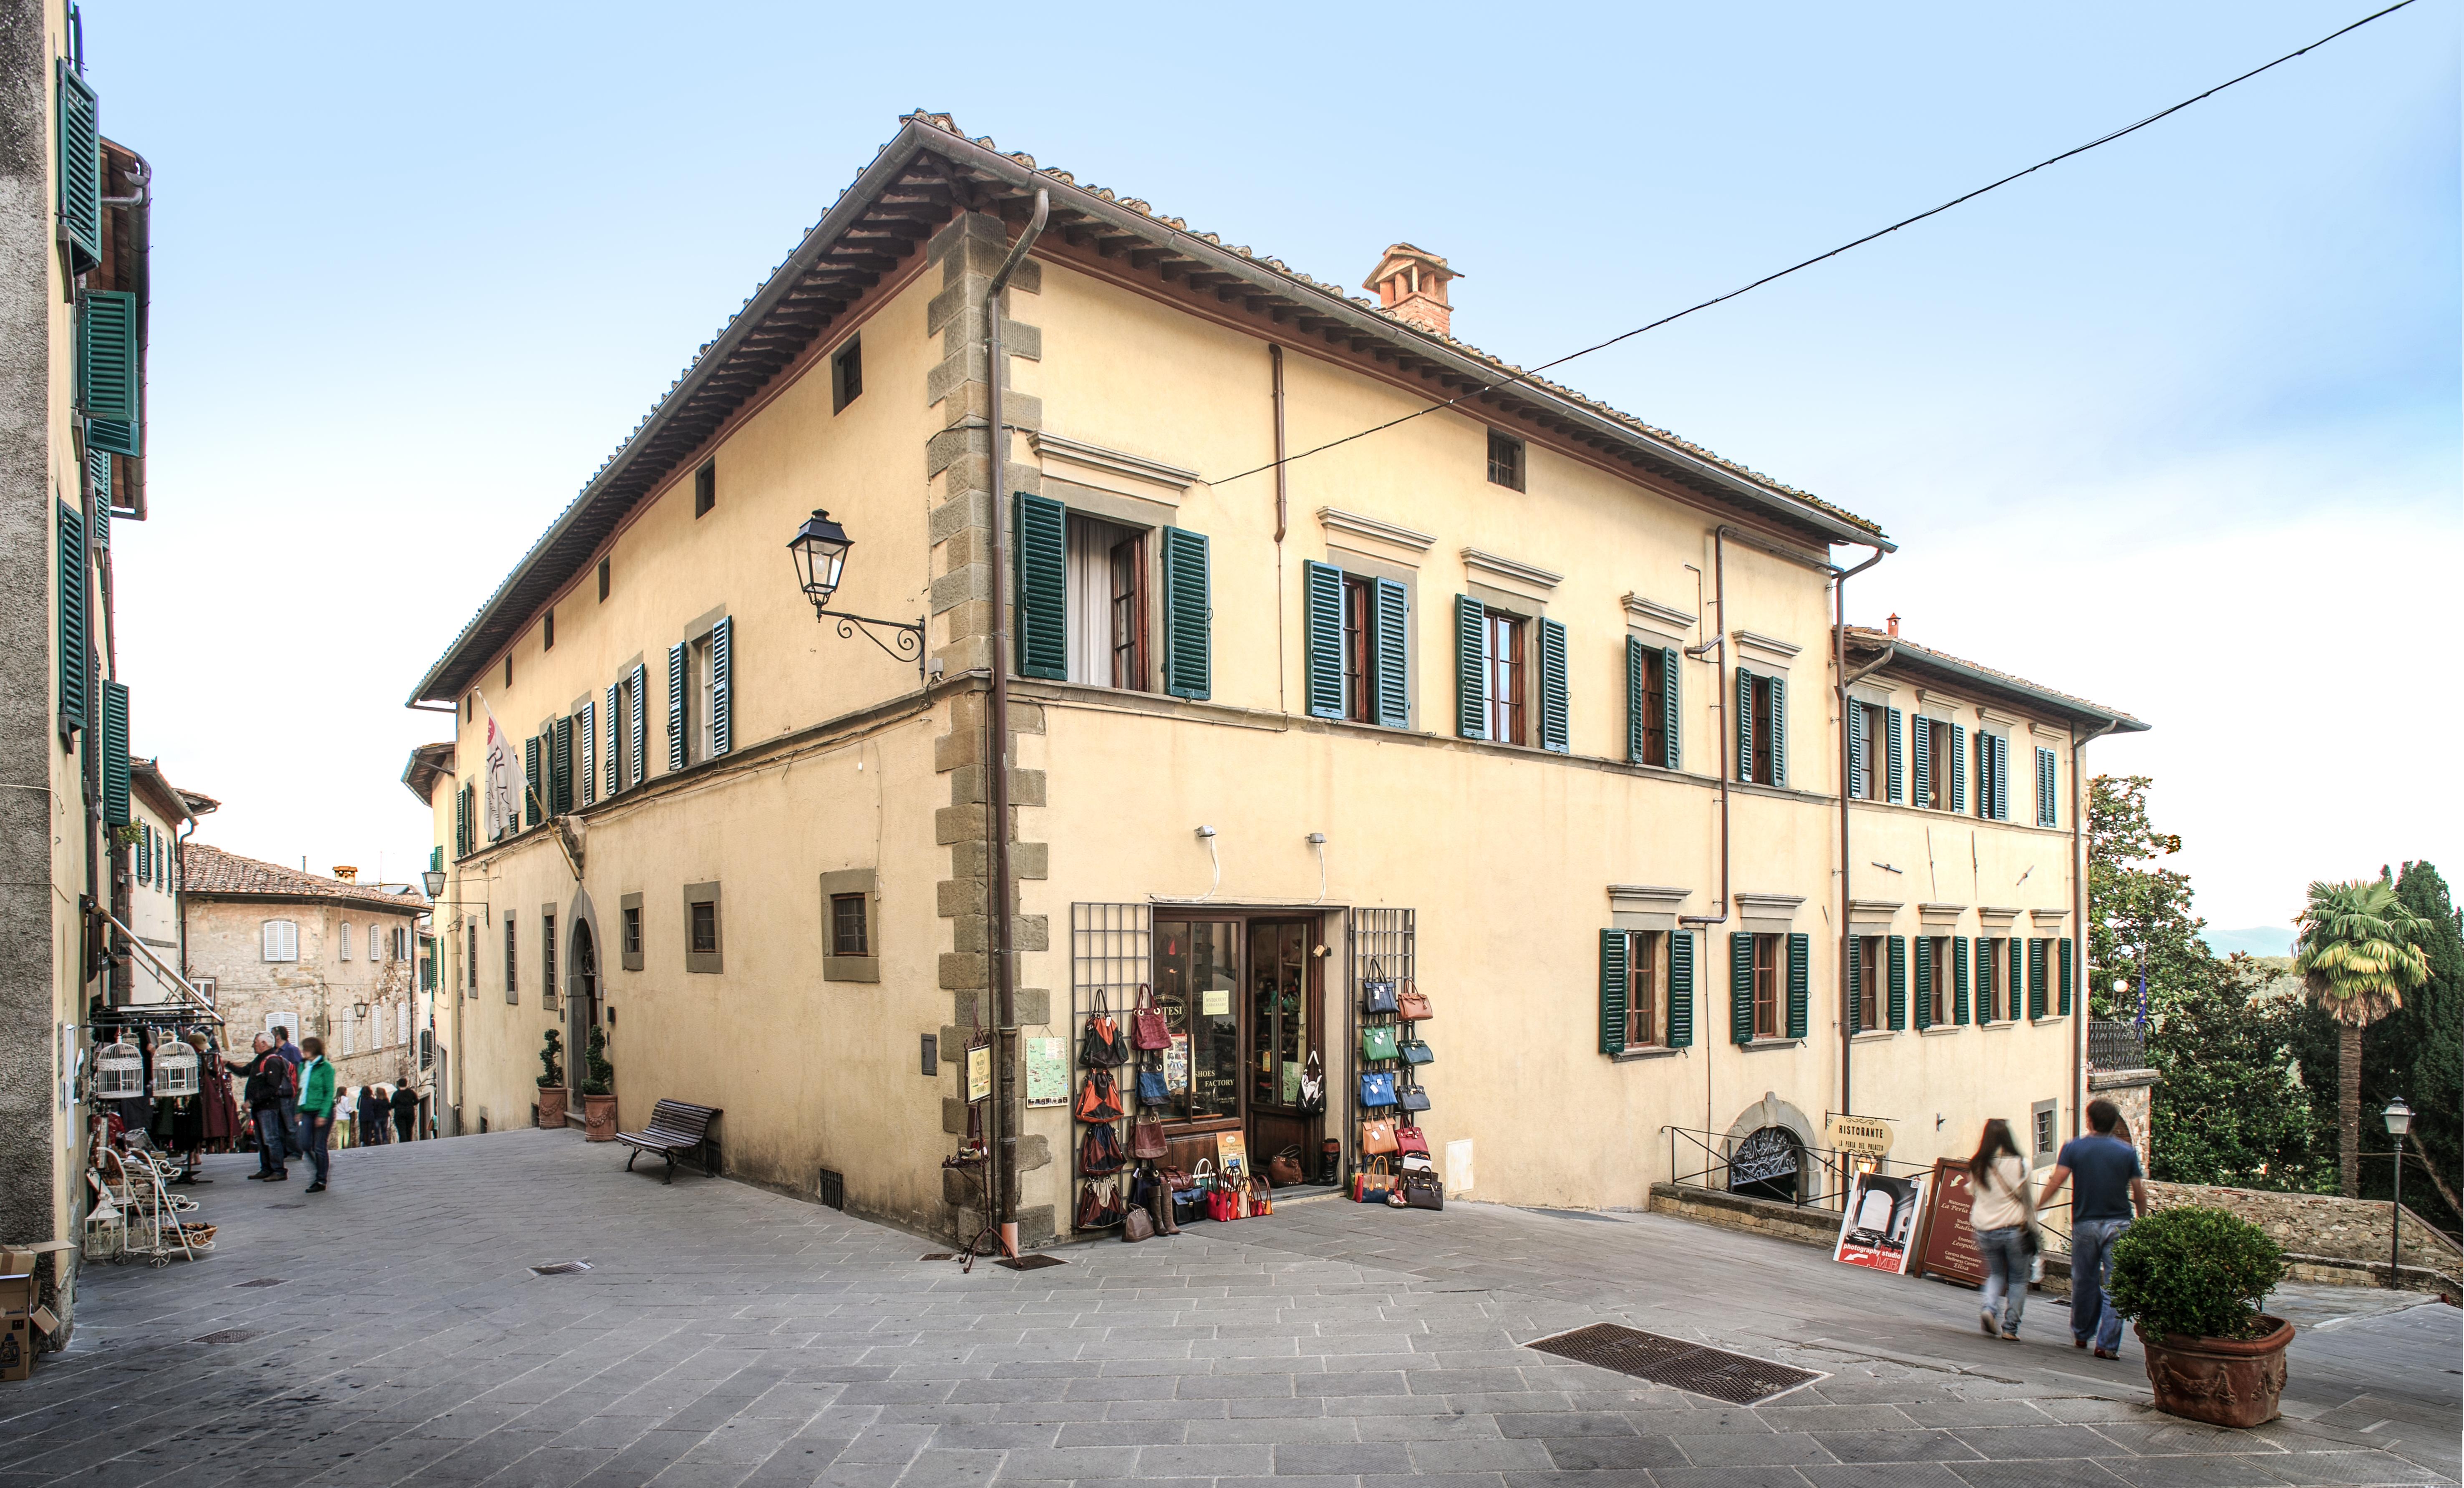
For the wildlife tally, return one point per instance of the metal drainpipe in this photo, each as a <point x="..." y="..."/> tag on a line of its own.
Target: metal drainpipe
<point x="2079" y="919"/>
<point x="1719" y="642"/>
<point x="1847" y="941"/>
<point x="1275" y="359"/>
<point x="996" y="890"/>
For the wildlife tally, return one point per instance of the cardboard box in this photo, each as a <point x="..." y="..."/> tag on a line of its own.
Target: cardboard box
<point x="17" y="1347"/>
<point x="20" y="1291"/>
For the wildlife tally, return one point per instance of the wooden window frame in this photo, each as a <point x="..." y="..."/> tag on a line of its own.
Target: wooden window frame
<point x="705" y="488"/>
<point x="513" y="966"/>
<point x="1646" y="990"/>
<point x="712" y="961"/>
<point x="1766" y="765"/>
<point x="1357" y="669"/>
<point x="630" y="936"/>
<point x="1771" y="992"/>
<point x="1943" y="1009"/>
<point x="846" y="374"/>
<point x="1508" y="675"/>
<point x="1509" y="460"/>
<point x="848" y="936"/>
<point x="1653" y="704"/>
<point x="547" y="958"/>
<point x="1128" y="613"/>
<point x="603" y="580"/>
<point x="863" y="884"/>
<point x="1872" y="966"/>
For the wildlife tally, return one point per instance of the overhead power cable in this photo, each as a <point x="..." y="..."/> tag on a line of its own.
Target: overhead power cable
<point x="2053" y="160"/>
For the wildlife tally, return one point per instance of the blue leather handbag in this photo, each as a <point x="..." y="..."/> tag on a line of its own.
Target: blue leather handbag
<point x="1418" y="1052"/>
<point x="1378" y="1089"/>
<point x="1151" y="1089"/>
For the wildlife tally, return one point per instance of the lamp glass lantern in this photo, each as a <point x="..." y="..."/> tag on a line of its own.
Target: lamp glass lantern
<point x="2399" y="1118"/>
<point x="821" y="548"/>
<point x="433" y="881"/>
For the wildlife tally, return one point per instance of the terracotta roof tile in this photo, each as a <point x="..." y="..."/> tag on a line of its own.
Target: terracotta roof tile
<point x="210" y="871"/>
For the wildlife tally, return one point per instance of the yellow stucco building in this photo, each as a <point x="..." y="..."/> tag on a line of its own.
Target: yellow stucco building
<point x="1520" y="703"/>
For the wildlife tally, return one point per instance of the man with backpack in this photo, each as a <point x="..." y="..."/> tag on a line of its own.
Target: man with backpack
<point x="270" y="1087"/>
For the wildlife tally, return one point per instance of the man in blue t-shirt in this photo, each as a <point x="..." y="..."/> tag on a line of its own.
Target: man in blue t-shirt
<point x="2112" y="1191"/>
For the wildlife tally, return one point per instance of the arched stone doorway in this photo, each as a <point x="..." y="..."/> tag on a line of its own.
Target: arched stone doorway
<point x="580" y="1011"/>
<point x="1768" y="1152"/>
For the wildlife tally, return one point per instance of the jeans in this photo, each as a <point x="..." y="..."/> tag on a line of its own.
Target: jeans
<point x="291" y="1126"/>
<point x="2006" y="1275"/>
<point x="2093" y="1319"/>
<point x="314" y="1129"/>
<point x="268" y="1139"/>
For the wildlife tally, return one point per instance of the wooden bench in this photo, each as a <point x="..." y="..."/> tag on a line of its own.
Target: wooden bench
<point x="676" y="1129"/>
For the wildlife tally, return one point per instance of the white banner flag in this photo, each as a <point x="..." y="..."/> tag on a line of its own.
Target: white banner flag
<point x="502" y="813"/>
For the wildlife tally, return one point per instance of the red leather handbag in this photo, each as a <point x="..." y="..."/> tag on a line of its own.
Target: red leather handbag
<point x="1409" y="1140"/>
<point x="1147" y="1027"/>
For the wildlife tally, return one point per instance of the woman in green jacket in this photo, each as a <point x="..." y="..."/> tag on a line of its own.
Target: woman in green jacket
<point x="316" y="1106"/>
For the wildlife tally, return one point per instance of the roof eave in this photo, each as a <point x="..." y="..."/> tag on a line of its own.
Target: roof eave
<point x="2077" y="710"/>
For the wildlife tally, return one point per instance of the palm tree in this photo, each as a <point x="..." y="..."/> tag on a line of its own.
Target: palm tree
<point x="2356" y="956"/>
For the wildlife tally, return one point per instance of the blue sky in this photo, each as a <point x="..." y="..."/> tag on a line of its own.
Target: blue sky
<point x="2173" y="425"/>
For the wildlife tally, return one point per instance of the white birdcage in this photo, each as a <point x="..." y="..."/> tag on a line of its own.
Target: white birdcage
<point x="175" y="1071"/>
<point x="119" y="1073"/>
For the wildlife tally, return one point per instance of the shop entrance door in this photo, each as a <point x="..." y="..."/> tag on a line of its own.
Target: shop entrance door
<point x="581" y="1014"/>
<point x="1280" y="977"/>
<point x="1244" y="996"/>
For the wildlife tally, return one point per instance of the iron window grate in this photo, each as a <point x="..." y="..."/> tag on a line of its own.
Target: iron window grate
<point x="831" y="1190"/>
<point x="1698" y="1369"/>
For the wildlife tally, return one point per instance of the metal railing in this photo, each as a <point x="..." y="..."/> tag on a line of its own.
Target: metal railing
<point x="2113" y="1044"/>
<point x="1714" y="1161"/>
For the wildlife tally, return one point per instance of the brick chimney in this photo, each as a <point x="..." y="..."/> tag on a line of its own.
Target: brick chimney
<point x="1412" y="283"/>
<point x="347" y="872"/>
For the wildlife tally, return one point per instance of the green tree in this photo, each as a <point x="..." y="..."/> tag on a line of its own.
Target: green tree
<point x="2356" y="958"/>
<point x="2229" y="1106"/>
<point x="2138" y="917"/>
<point x="2431" y="1025"/>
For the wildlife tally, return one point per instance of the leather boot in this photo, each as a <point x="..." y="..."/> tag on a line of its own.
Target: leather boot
<point x="1162" y="1204"/>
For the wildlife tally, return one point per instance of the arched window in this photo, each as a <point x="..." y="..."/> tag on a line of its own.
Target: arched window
<point x="281" y="940"/>
<point x="1765" y="1164"/>
<point x="344" y="940"/>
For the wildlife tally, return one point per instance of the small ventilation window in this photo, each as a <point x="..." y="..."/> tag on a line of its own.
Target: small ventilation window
<point x="846" y="375"/>
<point x="603" y="581"/>
<point x="705" y="488"/>
<point x="547" y="630"/>
<point x="1504" y="460"/>
<point x="833" y="1190"/>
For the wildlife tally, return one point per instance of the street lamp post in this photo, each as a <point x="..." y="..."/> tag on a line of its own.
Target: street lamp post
<point x="2399" y="1121"/>
<point x="821" y="548"/>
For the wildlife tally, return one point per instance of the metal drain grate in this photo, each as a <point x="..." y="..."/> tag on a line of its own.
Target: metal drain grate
<point x="1031" y="1262"/>
<point x="1674" y="1362"/>
<point x="259" y="1281"/>
<point x="561" y="1268"/>
<point x="231" y="1335"/>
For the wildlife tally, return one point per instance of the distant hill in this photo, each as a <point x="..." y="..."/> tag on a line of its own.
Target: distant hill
<point x="2257" y="940"/>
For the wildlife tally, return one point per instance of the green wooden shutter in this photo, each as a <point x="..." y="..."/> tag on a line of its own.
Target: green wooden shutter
<point x="1856" y="985"/>
<point x="1959" y="980"/>
<point x="1898" y="779"/>
<point x="2035" y="977"/>
<point x="1744" y="725"/>
<point x="2064" y="984"/>
<point x="1613" y="988"/>
<point x="2014" y="960"/>
<point x="80" y="166"/>
<point x="676" y="706"/>
<point x="1958" y="768"/>
<point x="106" y="355"/>
<point x="1635" y="702"/>
<point x="615" y="738"/>
<point x="1392" y="662"/>
<point x="559" y="774"/>
<point x="114" y="746"/>
<point x="98" y="467"/>
<point x="1779" y="730"/>
<point x="1681" y="988"/>
<point x="1322" y="645"/>
<point x="641" y="704"/>
<point x="1741" y="989"/>
<point x="1471" y="668"/>
<point x="1800" y="952"/>
<point x="461" y="821"/>
<point x="1920" y="730"/>
<point x="1673" y="744"/>
<point x="1858" y="745"/>
<point x="1040" y="609"/>
<point x="1556" y="732"/>
<point x="72" y="614"/>
<point x="1188" y="665"/>
<point x="722" y="687"/>
<point x="143" y="854"/>
<point x="1898" y="970"/>
<point x="1924" y="981"/>
<point x="531" y="800"/>
<point x="2045" y="814"/>
<point x="2001" y="778"/>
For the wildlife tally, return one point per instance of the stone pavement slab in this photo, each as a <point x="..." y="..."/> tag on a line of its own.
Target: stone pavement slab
<point x="730" y="1338"/>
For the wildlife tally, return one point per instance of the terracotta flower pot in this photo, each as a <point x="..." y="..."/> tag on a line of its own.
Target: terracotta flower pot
<point x="2221" y="1381"/>
<point x="599" y="1118"/>
<point x="551" y="1106"/>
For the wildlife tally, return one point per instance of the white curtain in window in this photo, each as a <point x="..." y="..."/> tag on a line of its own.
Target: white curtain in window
<point x="344" y="940"/>
<point x="1090" y="585"/>
<point x="281" y="940"/>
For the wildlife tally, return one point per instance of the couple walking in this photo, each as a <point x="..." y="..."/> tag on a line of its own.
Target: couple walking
<point x="291" y="1098"/>
<point x="2110" y="1192"/>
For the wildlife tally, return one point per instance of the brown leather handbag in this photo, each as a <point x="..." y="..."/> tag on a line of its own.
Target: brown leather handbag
<point x="1137" y="1225"/>
<point x="1147" y="1139"/>
<point x="1098" y="1100"/>
<point x="1378" y="1138"/>
<point x="1413" y="1007"/>
<point x="1284" y="1169"/>
<point x="1147" y="1027"/>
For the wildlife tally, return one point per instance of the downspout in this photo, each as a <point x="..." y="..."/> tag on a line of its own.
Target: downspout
<point x="1719" y="642"/>
<point x="2079" y="917"/>
<point x="1847" y="940"/>
<point x="997" y="888"/>
<point x="1275" y="359"/>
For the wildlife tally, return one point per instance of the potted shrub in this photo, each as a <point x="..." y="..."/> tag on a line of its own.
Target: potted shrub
<point x="551" y="1081"/>
<point x="598" y="1090"/>
<point x="2191" y="1281"/>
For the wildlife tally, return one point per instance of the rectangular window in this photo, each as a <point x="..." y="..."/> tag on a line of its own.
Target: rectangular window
<point x="2046" y="777"/>
<point x="1652" y="710"/>
<point x="344" y="940"/>
<point x="603" y="581"/>
<point x="1933" y="776"/>
<point x="471" y="962"/>
<point x="1506" y="671"/>
<point x="1357" y="702"/>
<point x="548" y="959"/>
<point x="1765" y="764"/>
<point x="705" y="947"/>
<point x="513" y="992"/>
<point x="697" y="681"/>
<point x="846" y="375"/>
<point x="1991" y="1005"/>
<point x="1938" y="962"/>
<point x="1105" y="624"/>
<point x="1869" y="983"/>
<point x="1504" y="460"/>
<point x="1865" y="778"/>
<point x="281" y="940"/>
<point x="632" y="930"/>
<point x="1129" y="614"/>
<point x="705" y="488"/>
<point x="2043" y="1132"/>
<point x="1646" y="1005"/>
<point x="1768" y="951"/>
<point x="547" y="632"/>
<point x="847" y="936"/>
<point x="375" y="942"/>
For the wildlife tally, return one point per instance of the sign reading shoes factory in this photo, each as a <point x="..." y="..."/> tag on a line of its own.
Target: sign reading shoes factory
<point x="1857" y="1136"/>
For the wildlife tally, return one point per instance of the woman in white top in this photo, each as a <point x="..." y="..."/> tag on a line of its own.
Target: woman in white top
<point x="2001" y="1214"/>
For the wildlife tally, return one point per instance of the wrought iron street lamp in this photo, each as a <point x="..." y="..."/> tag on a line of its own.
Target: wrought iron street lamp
<point x="821" y="549"/>
<point x="2399" y="1121"/>
<point x="433" y="881"/>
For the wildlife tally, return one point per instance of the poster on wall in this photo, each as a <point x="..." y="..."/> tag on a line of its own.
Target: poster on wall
<point x="1232" y="1153"/>
<point x="1176" y="1063"/>
<point x="1048" y="1071"/>
<point x="1945" y="1244"/>
<point x="979" y="1073"/>
<point x="1878" y="1222"/>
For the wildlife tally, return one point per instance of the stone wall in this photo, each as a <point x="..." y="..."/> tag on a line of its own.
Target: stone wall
<point x="2322" y="1225"/>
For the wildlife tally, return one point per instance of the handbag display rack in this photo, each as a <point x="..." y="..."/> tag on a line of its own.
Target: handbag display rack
<point x="1120" y="1104"/>
<point x="1391" y="1163"/>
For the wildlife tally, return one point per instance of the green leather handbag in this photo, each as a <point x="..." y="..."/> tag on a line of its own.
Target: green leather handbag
<point x="1377" y="1042"/>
